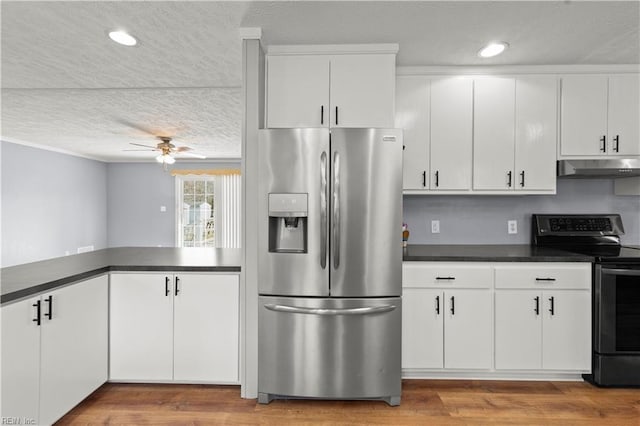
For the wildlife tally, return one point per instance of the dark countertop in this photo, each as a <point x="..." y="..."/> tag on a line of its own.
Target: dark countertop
<point x="31" y="278"/>
<point x="490" y="253"/>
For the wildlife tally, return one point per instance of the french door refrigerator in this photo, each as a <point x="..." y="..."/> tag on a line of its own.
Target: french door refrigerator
<point x="330" y="264"/>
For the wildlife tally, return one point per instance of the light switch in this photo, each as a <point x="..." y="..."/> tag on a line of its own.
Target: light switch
<point x="163" y="209"/>
<point x="435" y="226"/>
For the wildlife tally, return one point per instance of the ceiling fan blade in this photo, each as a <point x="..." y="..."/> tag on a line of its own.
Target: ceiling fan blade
<point x="135" y="126"/>
<point x="146" y="146"/>
<point x="193" y="154"/>
<point x="145" y="150"/>
<point x="182" y="149"/>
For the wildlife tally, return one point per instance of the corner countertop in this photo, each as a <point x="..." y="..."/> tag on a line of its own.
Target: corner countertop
<point x="490" y="253"/>
<point x="31" y="278"/>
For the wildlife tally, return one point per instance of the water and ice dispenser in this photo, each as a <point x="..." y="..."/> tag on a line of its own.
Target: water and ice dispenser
<point x="288" y="214"/>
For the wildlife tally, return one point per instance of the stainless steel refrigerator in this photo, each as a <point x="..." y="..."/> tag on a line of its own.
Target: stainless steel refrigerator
<point x="330" y="264"/>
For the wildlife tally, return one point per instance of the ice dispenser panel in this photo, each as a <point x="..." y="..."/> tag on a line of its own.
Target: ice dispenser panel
<point x="288" y="223"/>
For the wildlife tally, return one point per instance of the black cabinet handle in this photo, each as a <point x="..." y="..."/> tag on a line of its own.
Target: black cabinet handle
<point x="603" y="139"/>
<point x="616" y="147"/>
<point x="424" y="179"/>
<point x="552" y="308"/>
<point x="177" y="288"/>
<point x="437" y="305"/>
<point x="321" y="114"/>
<point x="446" y="278"/>
<point x="437" y="178"/>
<point x="537" y="308"/>
<point x="453" y="305"/>
<point x="166" y="286"/>
<point x="37" y="318"/>
<point x="509" y="179"/>
<point x="336" y="116"/>
<point x="49" y="301"/>
<point x="545" y="279"/>
<point x="522" y="178"/>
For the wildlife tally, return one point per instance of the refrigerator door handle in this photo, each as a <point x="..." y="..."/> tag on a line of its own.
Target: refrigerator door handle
<point x="324" y="207"/>
<point x="320" y="311"/>
<point x="335" y="244"/>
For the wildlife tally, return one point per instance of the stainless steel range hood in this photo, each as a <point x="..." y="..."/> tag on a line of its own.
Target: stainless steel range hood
<point x="609" y="168"/>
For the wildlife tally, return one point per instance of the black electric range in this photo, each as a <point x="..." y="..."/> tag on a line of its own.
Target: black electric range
<point x="616" y="289"/>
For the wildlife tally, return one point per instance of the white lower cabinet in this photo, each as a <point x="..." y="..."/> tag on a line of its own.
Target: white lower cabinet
<point x="182" y="327"/>
<point x="543" y="317"/>
<point x="496" y="318"/>
<point x="54" y="351"/>
<point x="448" y="327"/>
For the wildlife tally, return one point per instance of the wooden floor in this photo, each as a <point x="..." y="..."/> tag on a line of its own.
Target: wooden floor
<point x="424" y="402"/>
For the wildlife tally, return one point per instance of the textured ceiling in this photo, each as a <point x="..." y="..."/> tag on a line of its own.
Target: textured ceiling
<point x="66" y="85"/>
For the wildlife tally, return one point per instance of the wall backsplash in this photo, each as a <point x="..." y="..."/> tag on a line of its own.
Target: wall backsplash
<point x="482" y="219"/>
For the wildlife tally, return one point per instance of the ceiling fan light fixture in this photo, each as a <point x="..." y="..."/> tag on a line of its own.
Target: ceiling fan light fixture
<point x="165" y="159"/>
<point x="493" y="49"/>
<point x="123" y="38"/>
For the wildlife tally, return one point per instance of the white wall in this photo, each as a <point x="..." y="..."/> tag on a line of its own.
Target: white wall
<point x="482" y="219"/>
<point x="52" y="204"/>
<point x="136" y="191"/>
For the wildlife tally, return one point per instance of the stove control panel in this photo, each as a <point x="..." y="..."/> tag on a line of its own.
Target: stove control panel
<point x="576" y="225"/>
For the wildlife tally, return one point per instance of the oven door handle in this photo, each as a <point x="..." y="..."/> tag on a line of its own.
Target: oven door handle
<point x="617" y="271"/>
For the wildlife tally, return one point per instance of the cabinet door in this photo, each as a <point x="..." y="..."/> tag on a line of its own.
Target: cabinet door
<point x="624" y="110"/>
<point x="583" y="115"/>
<point x="536" y="130"/>
<point x="468" y="336"/>
<point x="20" y="360"/>
<point x="518" y="330"/>
<point x="206" y="328"/>
<point x="493" y="133"/>
<point x="363" y="90"/>
<point x="297" y="91"/>
<point x="74" y="346"/>
<point x="412" y="116"/>
<point x="451" y="133"/>
<point x="566" y="333"/>
<point x="141" y="333"/>
<point x="422" y="332"/>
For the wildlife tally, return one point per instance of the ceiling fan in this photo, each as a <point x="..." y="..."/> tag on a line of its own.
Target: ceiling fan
<point x="166" y="149"/>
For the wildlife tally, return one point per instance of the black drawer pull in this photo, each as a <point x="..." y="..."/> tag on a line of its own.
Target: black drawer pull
<point x="537" y="308"/>
<point x="545" y="279"/>
<point x="437" y="305"/>
<point x="37" y="318"/>
<point x="552" y="308"/>
<point x="453" y="305"/>
<point x="424" y="179"/>
<point x="445" y="278"/>
<point x="177" y="287"/>
<point x="166" y="286"/>
<point x="603" y="139"/>
<point x="49" y="301"/>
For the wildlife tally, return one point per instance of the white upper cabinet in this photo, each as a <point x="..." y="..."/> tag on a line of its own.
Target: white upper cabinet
<point x="493" y="133"/>
<point x="362" y="90"/>
<point x="298" y="91"/>
<point x="451" y="133"/>
<point x="624" y="114"/>
<point x="412" y="115"/>
<point x="330" y="89"/>
<point x="515" y="124"/>
<point x="536" y="133"/>
<point x="599" y="115"/>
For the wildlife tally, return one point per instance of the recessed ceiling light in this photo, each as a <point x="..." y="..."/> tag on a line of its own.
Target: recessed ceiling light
<point x="123" y="38"/>
<point x="493" y="49"/>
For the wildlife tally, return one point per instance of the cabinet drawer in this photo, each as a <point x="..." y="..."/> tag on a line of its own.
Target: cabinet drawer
<point x="446" y="274"/>
<point x="544" y="275"/>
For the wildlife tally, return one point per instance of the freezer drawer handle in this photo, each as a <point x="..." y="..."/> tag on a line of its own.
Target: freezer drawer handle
<point x="324" y="206"/>
<point x="331" y="312"/>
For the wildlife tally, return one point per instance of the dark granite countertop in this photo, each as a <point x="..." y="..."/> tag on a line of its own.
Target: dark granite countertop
<point x="490" y="253"/>
<point x="24" y="280"/>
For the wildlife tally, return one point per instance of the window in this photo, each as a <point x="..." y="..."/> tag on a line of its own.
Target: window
<point x="207" y="208"/>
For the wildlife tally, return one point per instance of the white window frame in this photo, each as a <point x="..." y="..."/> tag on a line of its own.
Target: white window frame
<point x="179" y="196"/>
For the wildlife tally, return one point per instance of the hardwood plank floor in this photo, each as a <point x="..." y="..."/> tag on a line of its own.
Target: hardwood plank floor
<point x="424" y="402"/>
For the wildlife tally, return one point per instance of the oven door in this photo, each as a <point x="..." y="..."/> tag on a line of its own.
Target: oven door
<point x="617" y="309"/>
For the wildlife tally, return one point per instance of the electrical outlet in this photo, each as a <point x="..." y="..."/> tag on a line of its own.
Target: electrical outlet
<point x="163" y="209"/>
<point x="435" y="226"/>
<point x="512" y="226"/>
